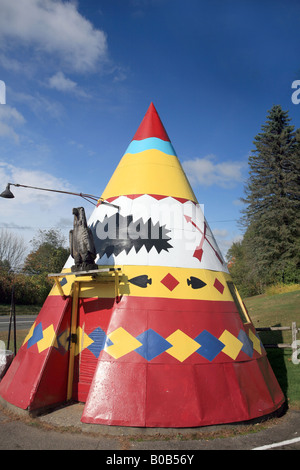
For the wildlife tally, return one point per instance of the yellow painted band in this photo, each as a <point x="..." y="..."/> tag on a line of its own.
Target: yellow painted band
<point x="149" y="172"/>
<point x="105" y="287"/>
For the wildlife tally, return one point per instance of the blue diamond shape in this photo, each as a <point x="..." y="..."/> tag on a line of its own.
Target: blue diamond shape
<point x="100" y="341"/>
<point x="210" y="345"/>
<point x="153" y="344"/>
<point x="63" y="282"/>
<point x="36" y="336"/>
<point x="247" y="343"/>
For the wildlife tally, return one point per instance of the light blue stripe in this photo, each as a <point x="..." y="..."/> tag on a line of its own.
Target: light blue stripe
<point x="137" y="146"/>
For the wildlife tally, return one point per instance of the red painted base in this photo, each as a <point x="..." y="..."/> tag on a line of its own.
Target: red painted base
<point x="160" y="395"/>
<point x="37" y="379"/>
<point x="144" y="387"/>
<point x="165" y="392"/>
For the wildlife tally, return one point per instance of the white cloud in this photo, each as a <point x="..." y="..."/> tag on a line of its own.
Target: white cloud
<point x="9" y="63"/>
<point x="32" y="209"/>
<point x="36" y="178"/>
<point x="82" y="147"/>
<point x="62" y="83"/>
<point x="11" y="114"/>
<point x="55" y="27"/>
<point x="120" y="73"/>
<point x="220" y="233"/>
<point x="225" y="239"/>
<point x="39" y="104"/>
<point x="237" y="202"/>
<point x="10" y="118"/>
<point x="205" y="171"/>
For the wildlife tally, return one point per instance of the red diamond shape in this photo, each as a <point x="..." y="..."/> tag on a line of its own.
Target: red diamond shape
<point x="219" y="286"/>
<point x="169" y="281"/>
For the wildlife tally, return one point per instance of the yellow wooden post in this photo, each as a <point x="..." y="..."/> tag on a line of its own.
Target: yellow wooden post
<point x="117" y="285"/>
<point x="58" y="285"/>
<point x="74" y="315"/>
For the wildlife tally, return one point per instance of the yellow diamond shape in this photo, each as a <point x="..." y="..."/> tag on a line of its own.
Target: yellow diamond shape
<point x="183" y="345"/>
<point x="123" y="341"/>
<point x="63" y="339"/>
<point x="232" y="344"/>
<point x="256" y="342"/>
<point x="83" y="341"/>
<point x="48" y="340"/>
<point x="30" y="333"/>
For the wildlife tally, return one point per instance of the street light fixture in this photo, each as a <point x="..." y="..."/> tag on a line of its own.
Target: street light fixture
<point x="7" y="194"/>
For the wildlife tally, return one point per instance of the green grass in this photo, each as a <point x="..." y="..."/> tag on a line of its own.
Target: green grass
<point x="20" y="309"/>
<point x="279" y="310"/>
<point x="21" y="334"/>
<point x="274" y="310"/>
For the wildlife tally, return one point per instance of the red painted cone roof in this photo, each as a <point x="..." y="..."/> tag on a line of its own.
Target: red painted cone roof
<point x="151" y="126"/>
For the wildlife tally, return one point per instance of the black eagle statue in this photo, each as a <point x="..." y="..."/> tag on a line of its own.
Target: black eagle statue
<point x="82" y="247"/>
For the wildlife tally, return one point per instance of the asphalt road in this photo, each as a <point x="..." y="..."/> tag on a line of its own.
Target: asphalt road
<point x="62" y="430"/>
<point x="23" y="322"/>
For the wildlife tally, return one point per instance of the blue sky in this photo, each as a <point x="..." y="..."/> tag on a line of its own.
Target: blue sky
<point x="81" y="75"/>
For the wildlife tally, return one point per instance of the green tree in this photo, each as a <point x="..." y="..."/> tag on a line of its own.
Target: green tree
<point x="32" y="285"/>
<point x="12" y="250"/>
<point x="49" y="253"/>
<point x="243" y="270"/>
<point x="238" y="267"/>
<point x="48" y="256"/>
<point x="271" y="216"/>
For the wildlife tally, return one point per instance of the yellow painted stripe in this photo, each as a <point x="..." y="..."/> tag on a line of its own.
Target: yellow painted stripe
<point x="149" y="172"/>
<point x="104" y="287"/>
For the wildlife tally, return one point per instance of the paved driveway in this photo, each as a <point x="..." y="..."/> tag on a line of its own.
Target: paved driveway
<point x="62" y="430"/>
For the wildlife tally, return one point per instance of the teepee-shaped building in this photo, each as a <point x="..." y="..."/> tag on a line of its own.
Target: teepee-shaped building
<point x="158" y="336"/>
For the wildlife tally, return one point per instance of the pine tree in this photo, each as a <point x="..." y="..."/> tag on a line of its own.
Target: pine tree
<point x="272" y="200"/>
